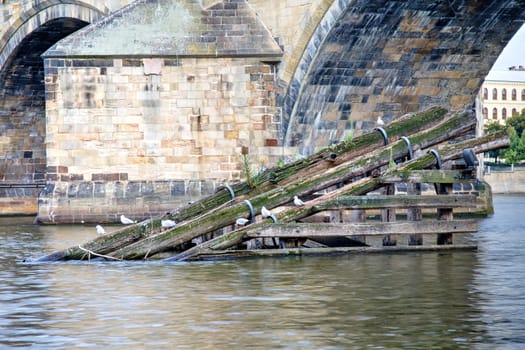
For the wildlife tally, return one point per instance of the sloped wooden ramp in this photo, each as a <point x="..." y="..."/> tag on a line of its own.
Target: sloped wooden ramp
<point x="350" y="196"/>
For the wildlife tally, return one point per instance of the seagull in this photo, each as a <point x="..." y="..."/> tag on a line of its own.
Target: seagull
<point x="241" y="221"/>
<point x="265" y="212"/>
<point x="297" y="201"/>
<point x="167" y="223"/>
<point x="380" y="121"/>
<point x="100" y="230"/>
<point x="125" y="220"/>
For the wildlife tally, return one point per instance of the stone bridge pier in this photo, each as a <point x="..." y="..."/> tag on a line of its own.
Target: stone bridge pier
<point x="144" y="106"/>
<point x="28" y="29"/>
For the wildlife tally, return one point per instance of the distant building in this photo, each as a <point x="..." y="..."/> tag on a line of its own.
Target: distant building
<point x="503" y="94"/>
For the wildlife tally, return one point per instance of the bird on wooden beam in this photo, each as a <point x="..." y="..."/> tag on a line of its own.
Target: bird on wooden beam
<point x="297" y="201"/>
<point x="125" y="220"/>
<point x="166" y="224"/>
<point x="241" y="222"/>
<point x="100" y="230"/>
<point x="265" y="212"/>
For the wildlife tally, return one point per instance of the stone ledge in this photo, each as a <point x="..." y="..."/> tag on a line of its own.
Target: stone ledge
<point x="103" y="202"/>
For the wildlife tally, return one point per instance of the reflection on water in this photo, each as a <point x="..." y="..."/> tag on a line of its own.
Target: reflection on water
<point x="454" y="300"/>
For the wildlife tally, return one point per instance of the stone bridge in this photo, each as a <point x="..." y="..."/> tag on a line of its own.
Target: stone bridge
<point x="153" y="104"/>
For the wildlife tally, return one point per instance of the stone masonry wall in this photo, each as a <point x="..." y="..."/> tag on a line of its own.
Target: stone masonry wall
<point x="121" y="128"/>
<point x="506" y="182"/>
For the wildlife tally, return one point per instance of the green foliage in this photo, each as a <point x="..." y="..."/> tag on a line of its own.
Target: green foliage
<point x="250" y="180"/>
<point x="391" y="162"/>
<point x="349" y="135"/>
<point x="492" y="127"/>
<point x="514" y="126"/>
<point x="517" y="122"/>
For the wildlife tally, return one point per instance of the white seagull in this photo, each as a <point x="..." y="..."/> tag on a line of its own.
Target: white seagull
<point x="297" y="201"/>
<point x="265" y="212"/>
<point x="167" y="223"/>
<point x="125" y="220"/>
<point x="380" y="121"/>
<point x="100" y="230"/>
<point x="241" y="221"/>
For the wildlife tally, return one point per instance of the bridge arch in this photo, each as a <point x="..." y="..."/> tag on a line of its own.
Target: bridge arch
<point x="382" y="58"/>
<point x="22" y="94"/>
<point x="39" y="14"/>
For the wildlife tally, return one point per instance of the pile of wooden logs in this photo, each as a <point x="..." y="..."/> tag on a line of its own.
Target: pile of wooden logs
<point x="338" y="184"/>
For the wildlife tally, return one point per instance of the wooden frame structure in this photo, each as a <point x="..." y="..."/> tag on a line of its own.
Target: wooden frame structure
<point x="344" y="183"/>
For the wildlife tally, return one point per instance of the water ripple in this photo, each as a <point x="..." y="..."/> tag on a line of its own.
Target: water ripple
<point x="462" y="300"/>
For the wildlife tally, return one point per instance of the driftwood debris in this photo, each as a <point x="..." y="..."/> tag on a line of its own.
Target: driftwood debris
<point x="351" y="168"/>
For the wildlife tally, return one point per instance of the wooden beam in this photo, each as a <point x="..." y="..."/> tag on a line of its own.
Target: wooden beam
<point x="427" y="176"/>
<point x="226" y="254"/>
<point x="297" y="230"/>
<point x="400" y="202"/>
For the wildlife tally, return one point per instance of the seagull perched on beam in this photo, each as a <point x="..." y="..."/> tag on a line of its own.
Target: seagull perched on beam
<point x="125" y="220"/>
<point x="167" y="223"/>
<point x="380" y="121"/>
<point x="100" y="230"/>
<point x="241" y="221"/>
<point x="265" y="212"/>
<point x="297" y="201"/>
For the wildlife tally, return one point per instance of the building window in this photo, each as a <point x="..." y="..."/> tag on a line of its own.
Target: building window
<point x="514" y="95"/>
<point x="485" y="93"/>
<point x="504" y="113"/>
<point x="514" y="112"/>
<point x="495" y="94"/>
<point x="523" y="95"/>
<point x="504" y="94"/>
<point x="485" y="113"/>
<point x="494" y="113"/>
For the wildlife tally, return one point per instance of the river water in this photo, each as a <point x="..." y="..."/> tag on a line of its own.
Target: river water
<point x="451" y="300"/>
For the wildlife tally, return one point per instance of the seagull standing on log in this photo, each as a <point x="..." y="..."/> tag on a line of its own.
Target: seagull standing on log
<point x="167" y="223"/>
<point x="265" y="212"/>
<point x="241" y="221"/>
<point x="297" y="201"/>
<point x="100" y="230"/>
<point x="125" y="220"/>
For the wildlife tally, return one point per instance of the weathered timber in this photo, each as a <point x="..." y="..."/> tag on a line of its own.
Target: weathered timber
<point x="444" y="213"/>
<point x="427" y="176"/>
<point x="364" y="229"/>
<point x="225" y="254"/>
<point x="388" y="215"/>
<point x="107" y="243"/>
<point x="279" y="196"/>
<point x="415" y="214"/>
<point x="359" y="187"/>
<point x="400" y="202"/>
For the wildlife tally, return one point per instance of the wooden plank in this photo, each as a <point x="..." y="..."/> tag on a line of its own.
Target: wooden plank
<point x="389" y="215"/>
<point x="427" y="176"/>
<point x="402" y="201"/>
<point x="295" y="230"/>
<point x="445" y="214"/>
<point x="414" y="213"/>
<point x="227" y="254"/>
